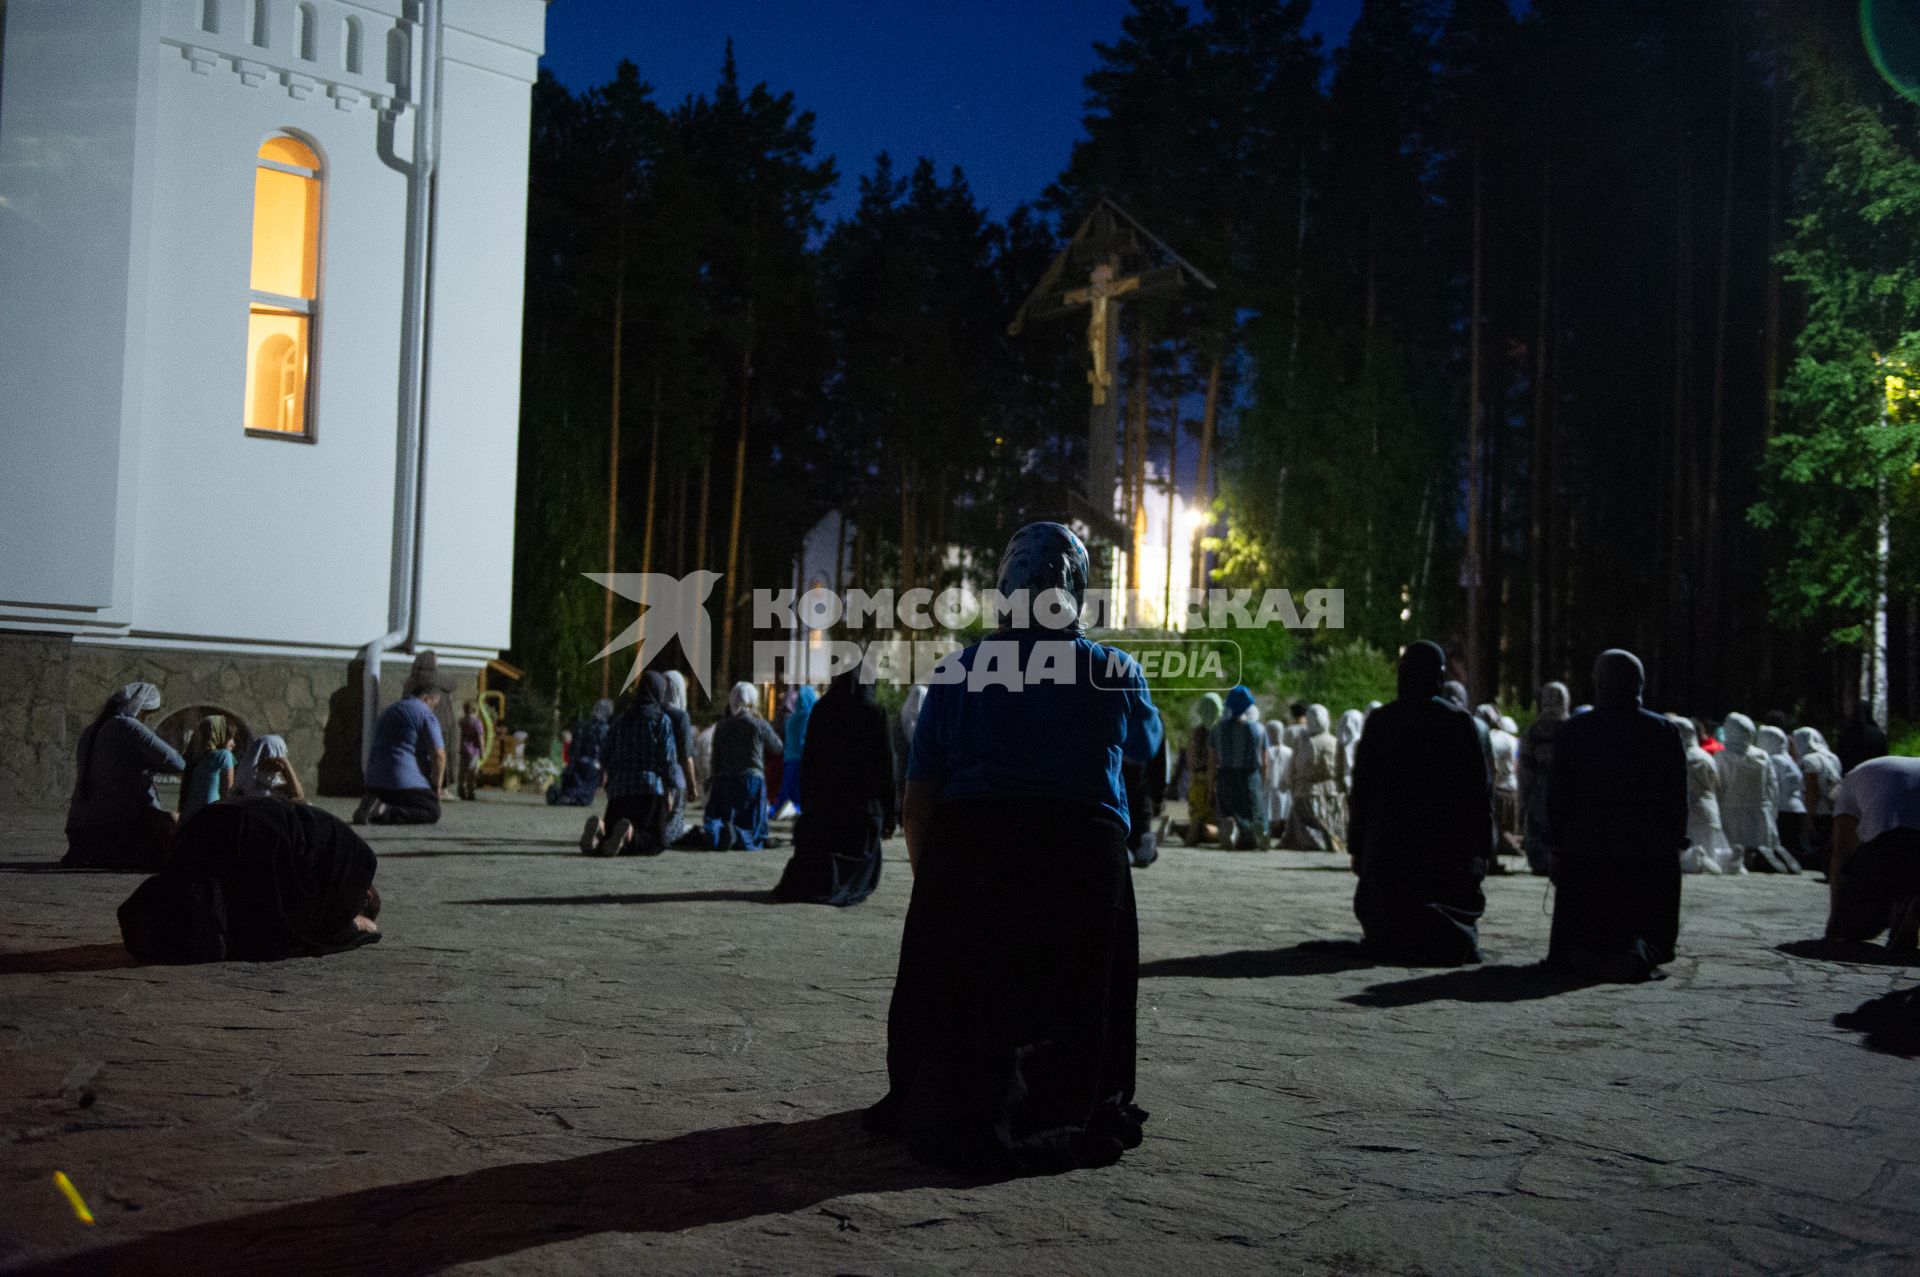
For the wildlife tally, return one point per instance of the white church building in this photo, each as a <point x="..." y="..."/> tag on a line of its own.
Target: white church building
<point x="261" y="265"/>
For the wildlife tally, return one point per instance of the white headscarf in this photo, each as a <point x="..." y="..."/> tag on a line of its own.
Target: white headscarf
<point x="1554" y="699"/>
<point x="247" y="780"/>
<point x="1319" y="721"/>
<point x="1772" y="740"/>
<point x="744" y="696"/>
<point x="1737" y="733"/>
<point x="676" y="689"/>
<point x="1351" y="724"/>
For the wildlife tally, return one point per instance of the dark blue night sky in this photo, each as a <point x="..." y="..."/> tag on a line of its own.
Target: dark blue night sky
<point x="990" y="85"/>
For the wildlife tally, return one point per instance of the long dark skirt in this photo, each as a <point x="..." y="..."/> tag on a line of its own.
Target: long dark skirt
<point x="1431" y="923"/>
<point x="648" y="814"/>
<point x="1619" y="912"/>
<point x="1010" y="1041"/>
<point x="136" y="845"/>
<point x="836" y="855"/>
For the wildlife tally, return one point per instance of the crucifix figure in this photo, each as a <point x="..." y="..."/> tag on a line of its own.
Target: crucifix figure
<point x="1122" y="259"/>
<point x="1102" y="332"/>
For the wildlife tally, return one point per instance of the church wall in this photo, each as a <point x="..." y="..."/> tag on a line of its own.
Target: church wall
<point x="50" y="689"/>
<point x="73" y="147"/>
<point x="473" y="365"/>
<point x="245" y="537"/>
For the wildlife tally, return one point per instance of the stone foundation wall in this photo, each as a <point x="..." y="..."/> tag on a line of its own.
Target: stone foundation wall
<point x="50" y="689"/>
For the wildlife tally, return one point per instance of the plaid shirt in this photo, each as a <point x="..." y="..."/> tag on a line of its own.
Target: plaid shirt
<point x="640" y="755"/>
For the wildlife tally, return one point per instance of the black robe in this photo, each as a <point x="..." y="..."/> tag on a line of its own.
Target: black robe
<point x="253" y="879"/>
<point x="846" y="799"/>
<point x="1421" y="828"/>
<point x="1010" y="1039"/>
<point x="1617" y="819"/>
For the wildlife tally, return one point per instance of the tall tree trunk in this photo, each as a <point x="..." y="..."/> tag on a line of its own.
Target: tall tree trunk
<point x="704" y="517"/>
<point x="1203" y="475"/>
<point x="1173" y="508"/>
<point x="1772" y="340"/>
<point x="731" y="586"/>
<point x="1710" y="585"/>
<point x="1473" y="569"/>
<point x="653" y="482"/>
<point x="1136" y="485"/>
<point x="1541" y="462"/>
<point x="1683" y="515"/>
<point x="613" y="458"/>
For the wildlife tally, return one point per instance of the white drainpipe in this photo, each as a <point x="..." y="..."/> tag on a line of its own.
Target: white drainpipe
<point x="404" y="578"/>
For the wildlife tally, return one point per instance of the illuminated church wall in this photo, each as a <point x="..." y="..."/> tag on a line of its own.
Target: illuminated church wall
<point x="200" y="402"/>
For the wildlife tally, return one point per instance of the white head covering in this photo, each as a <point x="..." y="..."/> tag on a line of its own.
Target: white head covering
<point x="1319" y="721"/>
<point x="1689" y="737"/>
<point x="1554" y="699"/>
<point x="1808" y="740"/>
<point x="1772" y="740"/>
<point x="744" y="696"/>
<point x="1737" y="733"/>
<point x="247" y="781"/>
<point x="1276" y="732"/>
<point x="1488" y="714"/>
<point x="1371" y="706"/>
<point x="910" y="708"/>
<point x="676" y="689"/>
<point x="132" y="700"/>
<point x="603" y="709"/>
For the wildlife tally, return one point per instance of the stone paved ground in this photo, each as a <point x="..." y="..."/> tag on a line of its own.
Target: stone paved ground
<point x="555" y="1064"/>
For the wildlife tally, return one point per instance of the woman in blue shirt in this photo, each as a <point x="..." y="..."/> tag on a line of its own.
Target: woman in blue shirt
<point x="1010" y="1041"/>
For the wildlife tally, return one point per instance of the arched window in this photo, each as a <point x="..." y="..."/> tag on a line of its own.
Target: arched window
<point x="352" y="42"/>
<point x="284" y="288"/>
<point x="309" y="33"/>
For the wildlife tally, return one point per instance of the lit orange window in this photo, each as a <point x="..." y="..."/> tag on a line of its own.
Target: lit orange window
<point x="284" y="288"/>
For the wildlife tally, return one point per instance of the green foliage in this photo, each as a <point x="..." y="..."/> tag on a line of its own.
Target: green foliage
<point x="1343" y="677"/>
<point x="1853" y="434"/>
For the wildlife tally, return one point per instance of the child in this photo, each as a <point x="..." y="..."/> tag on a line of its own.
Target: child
<point x="209" y="774"/>
<point x="473" y="737"/>
<point x="267" y="772"/>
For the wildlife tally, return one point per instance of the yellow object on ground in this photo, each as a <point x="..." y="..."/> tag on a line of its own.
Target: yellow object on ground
<point x="73" y="1197"/>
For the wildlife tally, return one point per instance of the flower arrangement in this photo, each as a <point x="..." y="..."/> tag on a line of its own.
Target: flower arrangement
<point x="543" y="772"/>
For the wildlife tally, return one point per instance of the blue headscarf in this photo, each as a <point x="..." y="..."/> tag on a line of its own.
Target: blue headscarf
<point x="796" y="732"/>
<point x="1042" y="557"/>
<point x="1239" y="701"/>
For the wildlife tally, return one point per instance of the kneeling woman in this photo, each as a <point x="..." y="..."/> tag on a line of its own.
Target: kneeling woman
<point x="256" y="879"/>
<point x="846" y="798"/>
<point x="736" y="814"/>
<point x="639" y="768"/>
<point x="1010" y="1041"/>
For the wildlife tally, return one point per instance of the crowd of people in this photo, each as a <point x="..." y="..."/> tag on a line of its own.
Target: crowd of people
<point x="1025" y="811"/>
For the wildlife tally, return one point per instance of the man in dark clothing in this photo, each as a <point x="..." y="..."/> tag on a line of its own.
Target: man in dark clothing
<point x="1860" y="739"/>
<point x="1617" y="816"/>
<point x="1421" y="824"/>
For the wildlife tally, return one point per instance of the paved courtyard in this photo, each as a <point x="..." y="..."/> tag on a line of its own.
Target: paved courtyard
<point x="557" y="1064"/>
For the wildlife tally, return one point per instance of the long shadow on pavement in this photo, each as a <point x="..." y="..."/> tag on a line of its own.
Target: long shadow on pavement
<point x="1857" y="952"/>
<point x="705" y="1177"/>
<point x="1474" y="984"/>
<point x="1314" y="957"/>
<point x="79" y="957"/>
<point x="644" y="898"/>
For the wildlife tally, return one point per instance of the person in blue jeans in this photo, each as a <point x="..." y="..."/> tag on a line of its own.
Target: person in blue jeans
<point x="408" y="761"/>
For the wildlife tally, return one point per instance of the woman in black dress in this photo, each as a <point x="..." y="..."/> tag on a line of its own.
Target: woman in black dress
<point x="846" y="798"/>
